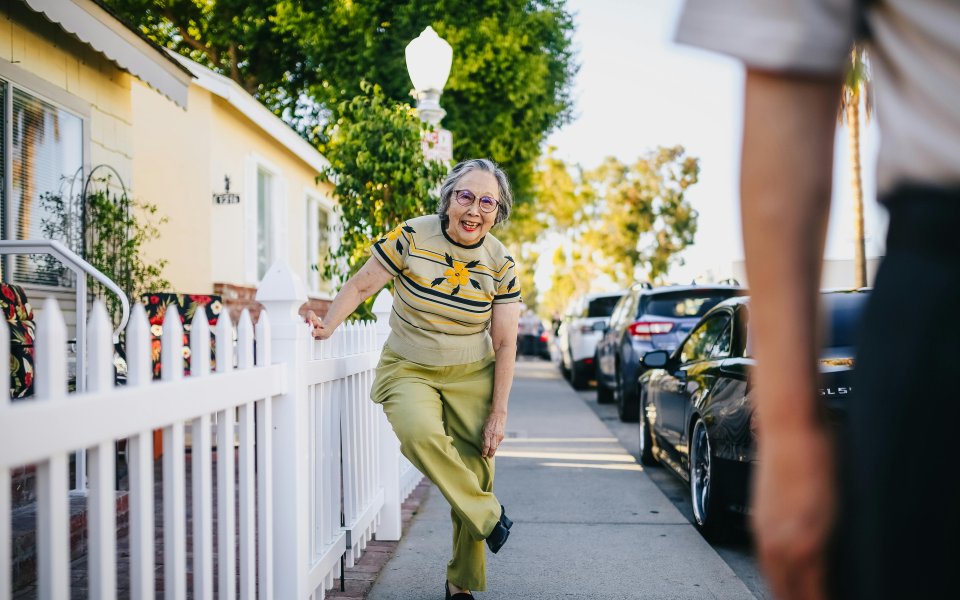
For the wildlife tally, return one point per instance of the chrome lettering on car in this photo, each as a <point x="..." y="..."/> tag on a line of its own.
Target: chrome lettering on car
<point x="838" y="391"/>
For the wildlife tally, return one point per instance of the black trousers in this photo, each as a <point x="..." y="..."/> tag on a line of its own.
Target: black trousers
<point x="898" y="532"/>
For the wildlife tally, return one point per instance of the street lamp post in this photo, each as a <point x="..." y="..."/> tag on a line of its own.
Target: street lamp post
<point x="428" y="62"/>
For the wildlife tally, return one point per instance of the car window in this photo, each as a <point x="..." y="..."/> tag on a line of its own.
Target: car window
<point x="744" y="339"/>
<point x="685" y="304"/>
<point x="629" y="307"/>
<point x="724" y="343"/>
<point x="843" y="311"/>
<point x="619" y="309"/>
<point x="602" y="306"/>
<point x="702" y="340"/>
<point x="842" y="314"/>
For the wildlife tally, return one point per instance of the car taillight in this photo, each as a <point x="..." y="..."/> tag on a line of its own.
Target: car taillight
<point x="543" y="337"/>
<point x="644" y="329"/>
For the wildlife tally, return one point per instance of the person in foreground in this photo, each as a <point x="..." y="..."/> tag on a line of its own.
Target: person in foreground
<point x="447" y="367"/>
<point x="898" y="443"/>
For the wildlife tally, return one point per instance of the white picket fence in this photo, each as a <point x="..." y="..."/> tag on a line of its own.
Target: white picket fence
<point x="318" y="473"/>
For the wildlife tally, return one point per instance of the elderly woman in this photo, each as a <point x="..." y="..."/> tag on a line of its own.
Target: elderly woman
<point x="446" y="370"/>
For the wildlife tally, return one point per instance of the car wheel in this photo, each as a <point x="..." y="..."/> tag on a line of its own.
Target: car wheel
<point x="564" y="370"/>
<point x="627" y="408"/>
<point x="578" y="377"/>
<point x="646" y="441"/>
<point x="707" y="514"/>
<point x="604" y="394"/>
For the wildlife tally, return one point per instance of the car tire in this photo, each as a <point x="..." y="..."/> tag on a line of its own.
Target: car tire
<point x="578" y="377"/>
<point x="647" y="457"/>
<point x="564" y="371"/>
<point x="628" y="408"/>
<point x="708" y="514"/>
<point x="604" y="394"/>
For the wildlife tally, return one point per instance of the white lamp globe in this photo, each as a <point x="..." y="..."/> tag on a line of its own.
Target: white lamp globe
<point x="428" y="61"/>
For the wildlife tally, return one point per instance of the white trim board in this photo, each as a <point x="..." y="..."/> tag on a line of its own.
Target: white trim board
<point x="251" y="108"/>
<point x="103" y="32"/>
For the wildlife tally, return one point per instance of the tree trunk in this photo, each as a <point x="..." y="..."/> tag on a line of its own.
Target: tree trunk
<point x="853" y="138"/>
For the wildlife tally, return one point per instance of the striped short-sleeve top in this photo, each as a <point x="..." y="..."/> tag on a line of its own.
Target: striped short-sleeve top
<point x="444" y="292"/>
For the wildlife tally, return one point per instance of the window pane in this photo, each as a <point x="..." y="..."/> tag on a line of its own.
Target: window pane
<point x="679" y="305"/>
<point x="323" y="247"/>
<point x="46" y="177"/>
<point x="703" y="339"/>
<point x="602" y="307"/>
<point x="264" y="184"/>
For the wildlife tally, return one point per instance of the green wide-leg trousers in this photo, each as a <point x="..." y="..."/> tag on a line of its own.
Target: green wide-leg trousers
<point x="438" y="414"/>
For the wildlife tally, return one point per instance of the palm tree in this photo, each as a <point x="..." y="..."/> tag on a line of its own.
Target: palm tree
<point x="855" y="88"/>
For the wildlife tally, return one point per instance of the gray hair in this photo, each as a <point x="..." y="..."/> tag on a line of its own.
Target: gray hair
<point x="476" y="164"/>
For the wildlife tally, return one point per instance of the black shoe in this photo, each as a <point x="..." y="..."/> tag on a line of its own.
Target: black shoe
<point x="504" y="518"/>
<point x="498" y="537"/>
<point x="457" y="596"/>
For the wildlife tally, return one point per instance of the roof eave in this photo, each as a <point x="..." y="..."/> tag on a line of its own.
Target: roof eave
<point x="99" y="29"/>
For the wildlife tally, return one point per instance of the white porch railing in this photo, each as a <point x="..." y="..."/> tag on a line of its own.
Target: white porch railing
<point x="318" y="473"/>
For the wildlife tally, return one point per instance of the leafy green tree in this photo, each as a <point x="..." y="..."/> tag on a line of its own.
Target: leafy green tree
<point x="509" y="86"/>
<point x="622" y="221"/>
<point x="378" y="174"/>
<point x="111" y="237"/>
<point x="643" y="218"/>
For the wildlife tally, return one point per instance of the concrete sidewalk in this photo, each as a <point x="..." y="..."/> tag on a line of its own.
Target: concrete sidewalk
<point x="588" y="522"/>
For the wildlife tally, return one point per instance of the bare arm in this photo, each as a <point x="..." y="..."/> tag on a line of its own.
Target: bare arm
<point x="785" y="188"/>
<point x="503" y="331"/>
<point x="369" y="280"/>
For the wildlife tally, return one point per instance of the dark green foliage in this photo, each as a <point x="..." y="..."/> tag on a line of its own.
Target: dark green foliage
<point x="509" y="85"/>
<point x="628" y="221"/>
<point x="114" y="230"/>
<point x="378" y="173"/>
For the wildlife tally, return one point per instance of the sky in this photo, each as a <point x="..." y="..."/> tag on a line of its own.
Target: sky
<point x="637" y="90"/>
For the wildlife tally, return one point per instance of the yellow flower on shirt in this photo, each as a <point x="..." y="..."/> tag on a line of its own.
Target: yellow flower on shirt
<point x="457" y="274"/>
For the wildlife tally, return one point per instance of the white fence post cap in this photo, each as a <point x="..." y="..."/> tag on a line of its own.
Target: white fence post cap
<point x="383" y="304"/>
<point x="281" y="284"/>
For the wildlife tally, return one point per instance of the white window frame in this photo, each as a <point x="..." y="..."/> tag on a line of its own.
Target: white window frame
<point x="315" y="201"/>
<point x="15" y="77"/>
<point x="278" y="215"/>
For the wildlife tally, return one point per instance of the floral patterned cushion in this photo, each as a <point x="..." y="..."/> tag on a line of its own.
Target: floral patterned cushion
<point x="187" y="304"/>
<point x="16" y="307"/>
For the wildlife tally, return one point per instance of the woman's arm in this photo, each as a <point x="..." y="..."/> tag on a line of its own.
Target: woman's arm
<point x="503" y="330"/>
<point x="369" y="280"/>
<point x="785" y="184"/>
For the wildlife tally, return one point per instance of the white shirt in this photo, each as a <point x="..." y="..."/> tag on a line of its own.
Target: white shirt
<point x="914" y="58"/>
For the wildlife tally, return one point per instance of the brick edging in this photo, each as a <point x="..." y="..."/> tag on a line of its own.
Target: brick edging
<point x="360" y="578"/>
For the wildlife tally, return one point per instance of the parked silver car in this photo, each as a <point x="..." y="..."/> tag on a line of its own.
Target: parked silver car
<point x="579" y="333"/>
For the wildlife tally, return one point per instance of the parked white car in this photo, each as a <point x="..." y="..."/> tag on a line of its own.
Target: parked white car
<point x="579" y="333"/>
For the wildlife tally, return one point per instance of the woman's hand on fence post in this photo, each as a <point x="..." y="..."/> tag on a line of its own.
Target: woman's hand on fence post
<point x="320" y="329"/>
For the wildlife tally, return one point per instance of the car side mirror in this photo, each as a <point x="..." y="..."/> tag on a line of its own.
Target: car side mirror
<point x="599" y="326"/>
<point x="655" y="359"/>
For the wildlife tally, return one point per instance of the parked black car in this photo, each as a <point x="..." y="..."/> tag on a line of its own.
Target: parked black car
<point x="648" y="319"/>
<point x="697" y="417"/>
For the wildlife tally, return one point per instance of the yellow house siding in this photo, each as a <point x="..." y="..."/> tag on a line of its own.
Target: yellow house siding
<point x="242" y="140"/>
<point x="172" y="153"/>
<point x="180" y="161"/>
<point x="43" y="49"/>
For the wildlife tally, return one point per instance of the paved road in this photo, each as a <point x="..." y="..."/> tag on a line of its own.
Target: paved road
<point x="589" y="523"/>
<point x="736" y="552"/>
